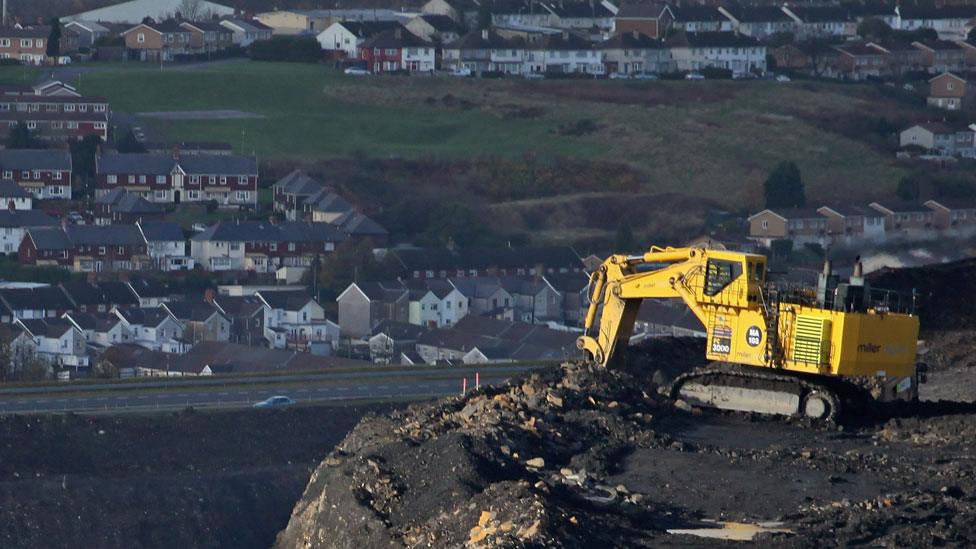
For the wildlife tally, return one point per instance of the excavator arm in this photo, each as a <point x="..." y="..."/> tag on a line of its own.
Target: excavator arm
<point x="623" y="282"/>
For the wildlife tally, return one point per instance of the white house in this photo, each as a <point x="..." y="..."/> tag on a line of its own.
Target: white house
<point x="166" y="245"/>
<point x="246" y="32"/>
<point x="347" y="36"/>
<point x="155" y="329"/>
<point x="723" y="50"/>
<point x="952" y="22"/>
<point x="14" y="225"/>
<point x="292" y="319"/>
<point x="633" y="52"/>
<point x="101" y="330"/>
<point x="436" y="304"/>
<point x="57" y="342"/>
<point x="14" y="197"/>
<point x="566" y="52"/>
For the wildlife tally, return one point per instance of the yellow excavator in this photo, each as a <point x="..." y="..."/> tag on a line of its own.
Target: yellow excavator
<point x="774" y="349"/>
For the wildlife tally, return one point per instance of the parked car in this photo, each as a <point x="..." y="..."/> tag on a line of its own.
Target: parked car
<point x="644" y="76"/>
<point x="274" y="401"/>
<point x="619" y="76"/>
<point x="743" y="76"/>
<point x="534" y="76"/>
<point x="356" y="71"/>
<point x="461" y="71"/>
<point x="199" y="227"/>
<point x="694" y="76"/>
<point x="782" y="78"/>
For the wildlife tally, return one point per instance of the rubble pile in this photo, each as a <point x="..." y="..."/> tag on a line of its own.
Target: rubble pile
<point x="515" y="465"/>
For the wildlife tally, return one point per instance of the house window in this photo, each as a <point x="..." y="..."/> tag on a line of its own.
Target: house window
<point x="141" y="38"/>
<point x="132" y="179"/>
<point x="37" y="174"/>
<point x="101" y="250"/>
<point x="25" y="43"/>
<point x="72" y="125"/>
<point x="243" y="195"/>
<point x="32" y="125"/>
<point x="273" y="246"/>
<point x="291" y="246"/>
<point x="242" y="180"/>
<point x="142" y="179"/>
<point x="160" y="179"/>
<point x="4" y="42"/>
<point x="212" y="180"/>
<point x="765" y="224"/>
<point x="25" y="174"/>
<point x="194" y="179"/>
<point x="55" y="190"/>
<point x="69" y="108"/>
<point x="161" y="195"/>
<point x="121" y="249"/>
<point x="223" y="180"/>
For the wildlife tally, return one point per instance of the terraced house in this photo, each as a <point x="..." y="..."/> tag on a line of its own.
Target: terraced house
<point x="45" y="173"/>
<point x="230" y="180"/>
<point x="261" y="246"/>
<point x="56" y="117"/>
<point x="86" y="248"/>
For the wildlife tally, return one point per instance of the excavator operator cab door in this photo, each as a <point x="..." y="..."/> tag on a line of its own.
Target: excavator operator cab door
<point x="724" y="283"/>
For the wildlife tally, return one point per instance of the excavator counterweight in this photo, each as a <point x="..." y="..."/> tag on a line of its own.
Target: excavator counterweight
<point x="782" y="350"/>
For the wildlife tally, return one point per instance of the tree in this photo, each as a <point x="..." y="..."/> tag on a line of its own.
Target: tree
<point x="190" y="9"/>
<point x="484" y="16"/>
<point x="353" y="260"/>
<point x="971" y="37"/>
<point x="784" y="187"/>
<point x="873" y="28"/>
<point x="908" y="189"/>
<point x="624" y="240"/>
<point x="54" y="39"/>
<point x="129" y="144"/>
<point x="779" y="39"/>
<point x="83" y="162"/>
<point x="20" y="138"/>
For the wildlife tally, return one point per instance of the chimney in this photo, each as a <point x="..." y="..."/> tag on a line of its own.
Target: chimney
<point x="636" y="35"/>
<point x="10" y="205"/>
<point x="209" y="295"/>
<point x="64" y="223"/>
<point x="176" y="152"/>
<point x="397" y="33"/>
<point x="566" y="35"/>
<point x="484" y="34"/>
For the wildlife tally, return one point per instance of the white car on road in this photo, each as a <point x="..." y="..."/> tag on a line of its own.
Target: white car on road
<point x="357" y="71"/>
<point x="272" y="402"/>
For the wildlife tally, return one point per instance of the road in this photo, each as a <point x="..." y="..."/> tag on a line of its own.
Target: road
<point x="244" y="392"/>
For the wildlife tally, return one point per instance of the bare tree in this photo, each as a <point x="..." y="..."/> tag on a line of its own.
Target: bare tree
<point x="190" y="10"/>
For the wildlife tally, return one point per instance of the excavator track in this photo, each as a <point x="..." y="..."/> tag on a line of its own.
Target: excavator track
<point x="748" y="389"/>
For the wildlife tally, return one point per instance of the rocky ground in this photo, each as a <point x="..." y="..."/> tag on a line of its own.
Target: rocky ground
<point x="580" y="456"/>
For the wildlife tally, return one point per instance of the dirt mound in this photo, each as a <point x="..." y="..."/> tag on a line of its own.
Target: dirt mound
<point x="943" y="292"/>
<point x="580" y="456"/>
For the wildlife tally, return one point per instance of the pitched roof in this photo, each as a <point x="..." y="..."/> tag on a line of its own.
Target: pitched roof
<point x="381" y="291"/>
<point x="102" y="235"/>
<point x="35" y="159"/>
<point x="248" y="25"/>
<point x="45" y="297"/>
<point x="297" y="182"/>
<point x="238" y="306"/>
<point x="442" y="23"/>
<point x="161" y="231"/>
<point x="758" y="14"/>
<point x="821" y="14"/>
<point x="10" y="189"/>
<point x="565" y="40"/>
<point x="577" y="9"/>
<point x="481" y="40"/>
<point x="401" y="331"/>
<point x="49" y="238"/>
<point x="52" y="327"/>
<point x="395" y="39"/>
<point x="199" y="311"/>
<point x="163" y="164"/>
<point x="26" y="218"/>
<point x="328" y="201"/>
<point x="145" y="317"/>
<point x="696" y="13"/>
<point x="288" y="300"/>
<point x="644" y="10"/>
<point x="364" y="29"/>
<point x="261" y="231"/>
<point x="148" y="287"/>
<point x="711" y="40"/>
<point x="357" y="224"/>
<point x="630" y="40"/>
<point x="117" y="293"/>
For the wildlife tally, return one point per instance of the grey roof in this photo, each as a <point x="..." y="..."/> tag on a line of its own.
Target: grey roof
<point x="398" y="330"/>
<point x="162" y="231"/>
<point x="297" y="182"/>
<point x="357" y="224"/>
<point x="382" y="291"/>
<point x="644" y="10"/>
<point x="396" y="38"/>
<point x="35" y="159"/>
<point x="261" y="231"/>
<point x="711" y="40"/>
<point x="249" y="25"/>
<point x="52" y="327"/>
<point x="288" y="300"/>
<point x="10" y="189"/>
<point x="145" y="317"/>
<point x="327" y="200"/>
<point x="26" y="218"/>
<point x="364" y="29"/>
<point x="193" y="312"/>
<point x="102" y="235"/>
<point x="49" y="238"/>
<point x="442" y="23"/>
<point x="163" y="164"/>
<point x="476" y="40"/>
<point x="238" y="306"/>
<point x="148" y="287"/>
<point x="630" y="40"/>
<point x="122" y="201"/>
<point x="44" y="297"/>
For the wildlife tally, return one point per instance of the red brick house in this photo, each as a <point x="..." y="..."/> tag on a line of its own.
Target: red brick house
<point x="85" y="248"/>
<point x="161" y="41"/>
<point x="45" y="173"/>
<point x="56" y="118"/>
<point x="948" y="91"/>
<point x="208" y="36"/>
<point x="231" y="180"/>
<point x="397" y="49"/>
<point x="652" y="19"/>
<point x="27" y="45"/>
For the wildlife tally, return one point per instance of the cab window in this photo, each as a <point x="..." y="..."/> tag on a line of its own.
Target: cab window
<point x="720" y="274"/>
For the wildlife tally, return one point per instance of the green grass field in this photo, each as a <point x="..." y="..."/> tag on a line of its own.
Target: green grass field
<point x="713" y="139"/>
